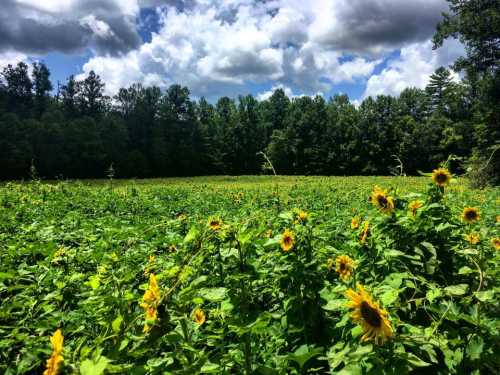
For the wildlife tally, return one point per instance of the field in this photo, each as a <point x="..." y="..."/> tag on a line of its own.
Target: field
<point x="249" y="275"/>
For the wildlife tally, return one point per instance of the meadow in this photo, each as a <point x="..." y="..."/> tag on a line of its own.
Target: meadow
<point x="249" y="275"/>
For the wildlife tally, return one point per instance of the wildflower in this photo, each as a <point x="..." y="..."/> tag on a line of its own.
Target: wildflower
<point x="441" y="176"/>
<point x="268" y="233"/>
<point x="152" y="259"/>
<point x="302" y="216"/>
<point x="367" y="313"/>
<point x="498" y="218"/>
<point x="364" y="233"/>
<point x="345" y="265"/>
<point x="381" y="200"/>
<point x="54" y="362"/>
<point x="355" y="223"/>
<point x="150" y="302"/>
<point x="471" y="214"/>
<point x="215" y="223"/>
<point x="472" y="238"/>
<point x="287" y="240"/>
<point x="199" y="316"/>
<point x="414" y="206"/>
<point x="496" y="243"/>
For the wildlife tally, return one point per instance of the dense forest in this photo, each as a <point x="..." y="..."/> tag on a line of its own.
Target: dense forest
<point x="75" y="131"/>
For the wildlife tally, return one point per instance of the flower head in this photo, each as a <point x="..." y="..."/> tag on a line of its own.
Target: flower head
<point x="355" y="223"/>
<point x="472" y="238"/>
<point x="345" y="266"/>
<point x="54" y="362"/>
<point x="364" y="232"/>
<point x="214" y="223"/>
<point x="382" y="201"/>
<point x="199" y="316"/>
<point x="367" y="313"/>
<point x="471" y="214"/>
<point x="287" y="240"/>
<point x="496" y="243"/>
<point x="150" y="302"/>
<point x="414" y="206"/>
<point x="441" y="176"/>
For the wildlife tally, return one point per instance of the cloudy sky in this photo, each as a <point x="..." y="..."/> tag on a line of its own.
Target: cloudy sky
<point x="232" y="47"/>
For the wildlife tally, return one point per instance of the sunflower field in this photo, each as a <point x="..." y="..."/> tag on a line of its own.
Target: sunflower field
<point x="250" y="275"/>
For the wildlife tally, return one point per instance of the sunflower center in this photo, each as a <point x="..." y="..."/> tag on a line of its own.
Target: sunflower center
<point x="342" y="266"/>
<point x="441" y="178"/>
<point x="471" y="215"/>
<point x="382" y="200"/>
<point x="287" y="240"/>
<point x="370" y="315"/>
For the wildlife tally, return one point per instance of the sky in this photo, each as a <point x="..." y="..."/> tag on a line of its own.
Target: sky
<point x="232" y="47"/>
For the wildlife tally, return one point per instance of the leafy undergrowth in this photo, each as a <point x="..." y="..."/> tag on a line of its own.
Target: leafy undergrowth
<point x="249" y="275"/>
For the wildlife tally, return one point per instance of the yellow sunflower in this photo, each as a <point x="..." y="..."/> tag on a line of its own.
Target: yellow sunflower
<point x="199" y="316"/>
<point x="54" y="362"/>
<point x="382" y="201"/>
<point x="472" y="238"/>
<point x="498" y="219"/>
<point x="365" y="232"/>
<point x="355" y="223"/>
<point x="302" y="216"/>
<point x="471" y="214"/>
<point x="441" y="176"/>
<point x="345" y="266"/>
<point x="496" y="243"/>
<point x="414" y="206"/>
<point x="287" y="240"/>
<point x="214" y="223"/>
<point x="367" y="313"/>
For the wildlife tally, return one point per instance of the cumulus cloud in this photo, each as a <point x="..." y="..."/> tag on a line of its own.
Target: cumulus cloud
<point x="219" y="47"/>
<point x="412" y="68"/>
<point x="38" y="27"/>
<point x="215" y="48"/>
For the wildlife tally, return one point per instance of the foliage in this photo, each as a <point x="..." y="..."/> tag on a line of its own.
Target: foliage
<point x="201" y="263"/>
<point x="144" y="131"/>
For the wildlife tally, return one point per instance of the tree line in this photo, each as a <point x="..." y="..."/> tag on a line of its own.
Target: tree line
<point x="145" y="132"/>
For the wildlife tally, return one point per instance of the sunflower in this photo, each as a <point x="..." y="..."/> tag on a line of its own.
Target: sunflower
<point x="345" y="265"/>
<point x="472" y="238"/>
<point x="414" y="206"/>
<point x="471" y="214"/>
<point x="498" y="219"/>
<point x="287" y="240"/>
<point x="199" y="316"/>
<point x="302" y="216"/>
<point x="381" y="200"/>
<point x="150" y="302"/>
<point x="54" y="362"/>
<point x="365" y="232"/>
<point x="367" y="313"/>
<point x="441" y="176"/>
<point x="355" y="223"/>
<point x="214" y="223"/>
<point x="496" y="243"/>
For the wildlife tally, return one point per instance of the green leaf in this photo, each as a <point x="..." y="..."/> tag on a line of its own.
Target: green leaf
<point x="485" y="295"/>
<point x="334" y="305"/>
<point x="432" y="294"/>
<point x="94" y="367"/>
<point x="475" y="348"/>
<point x="303" y="354"/>
<point x="389" y="297"/>
<point x="213" y="294"/>
<point x="116" y="324"/>
<point x="456" y="290"/>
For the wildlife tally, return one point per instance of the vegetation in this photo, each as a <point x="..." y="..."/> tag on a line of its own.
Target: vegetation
<point x="255" y="275"/>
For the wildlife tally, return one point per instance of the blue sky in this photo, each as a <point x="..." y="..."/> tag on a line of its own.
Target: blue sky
<point x="232" y="47"/>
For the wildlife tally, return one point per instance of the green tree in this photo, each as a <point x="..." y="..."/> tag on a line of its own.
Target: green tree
<point x="42" y="87"/>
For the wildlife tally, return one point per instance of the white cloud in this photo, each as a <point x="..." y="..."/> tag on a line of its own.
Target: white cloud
<point x="413" y="68"/>
<point x="98" y="27"/>
<point x="11" y="57"/>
